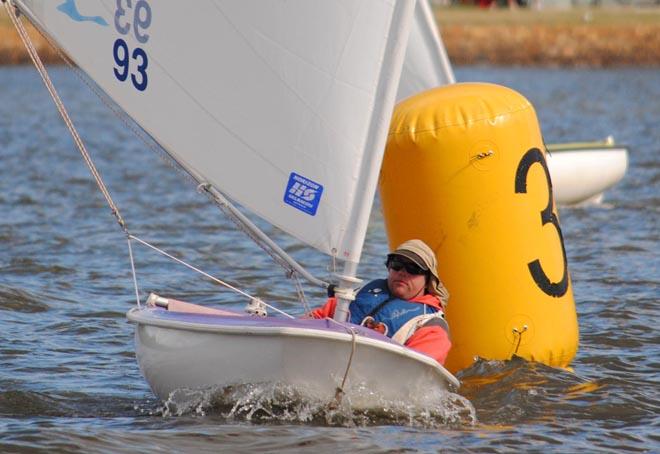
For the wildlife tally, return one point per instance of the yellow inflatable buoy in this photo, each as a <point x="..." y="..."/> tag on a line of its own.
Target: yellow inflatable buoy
<point x="465" y="171"/>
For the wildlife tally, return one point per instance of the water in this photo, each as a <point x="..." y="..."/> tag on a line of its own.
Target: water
<point x="68" y="377"/>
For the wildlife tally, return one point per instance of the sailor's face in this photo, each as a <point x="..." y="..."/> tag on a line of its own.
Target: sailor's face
<point x="404" y="285"/>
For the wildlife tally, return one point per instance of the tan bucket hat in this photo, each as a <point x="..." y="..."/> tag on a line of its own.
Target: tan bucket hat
<point x="419" y="253"/>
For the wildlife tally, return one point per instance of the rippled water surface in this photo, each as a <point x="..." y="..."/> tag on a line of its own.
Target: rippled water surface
<point x="68" y="377"/>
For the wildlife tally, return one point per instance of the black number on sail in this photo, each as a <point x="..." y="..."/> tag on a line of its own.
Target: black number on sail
<point x="555" y="289"/>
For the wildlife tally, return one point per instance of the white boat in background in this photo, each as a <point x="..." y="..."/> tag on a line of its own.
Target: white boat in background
<point x="284" y="107"/>
<point x="581" y="172"/>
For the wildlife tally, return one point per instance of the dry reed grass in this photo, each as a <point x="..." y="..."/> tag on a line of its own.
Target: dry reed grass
<point x="601" y="37"/>
<point x="556" y="45"/>
<point x="12" y="50"/>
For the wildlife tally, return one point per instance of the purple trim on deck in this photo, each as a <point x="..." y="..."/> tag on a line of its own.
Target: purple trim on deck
<point x="241" y="319"/>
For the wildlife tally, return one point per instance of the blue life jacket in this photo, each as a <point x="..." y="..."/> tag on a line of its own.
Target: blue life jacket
<point x="374" y="300"/>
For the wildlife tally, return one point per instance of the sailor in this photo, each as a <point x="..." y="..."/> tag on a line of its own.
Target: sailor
<point x="408" y="306"/>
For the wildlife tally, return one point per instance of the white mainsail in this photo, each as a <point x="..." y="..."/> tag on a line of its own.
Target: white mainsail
<point x="426" y="65"/>
<point x="283" y="106"/>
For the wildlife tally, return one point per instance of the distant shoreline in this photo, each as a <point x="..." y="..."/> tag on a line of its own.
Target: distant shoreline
<point x="586" y="46"/>
<point x="597" y="38"/>
<point x="574" y="37"/>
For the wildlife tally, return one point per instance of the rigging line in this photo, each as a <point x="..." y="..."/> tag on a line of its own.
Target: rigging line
<point x="41" y="69"/>
<point x="170" y="161"/>
<point x="142" y="135"/>
<point x="203" y="187"/>
<point x="241" y="226"/>
<point x="204" y="273"/>
<point x="350" y="359"/>
<point x="339" y="391"/>
<point x="258" y="236"/>
<point x="301" y="292"/>
<point x="229" y="286"/>
<point x="135" y="284"/>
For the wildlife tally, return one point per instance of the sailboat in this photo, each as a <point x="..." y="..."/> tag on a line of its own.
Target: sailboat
<point x="283" y="108"/>
<point x="580" y="171"/>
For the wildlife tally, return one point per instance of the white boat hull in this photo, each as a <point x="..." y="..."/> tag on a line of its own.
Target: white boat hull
<point x="581" y="174"/>
<point x="184" y="352"/>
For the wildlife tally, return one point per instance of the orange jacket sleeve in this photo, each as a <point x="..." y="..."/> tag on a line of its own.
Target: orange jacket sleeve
<point x="327" y="310"/>
<point x="432" y="341"/>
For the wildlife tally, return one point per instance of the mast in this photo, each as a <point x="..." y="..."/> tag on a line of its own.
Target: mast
<point x="385" y="96"/>
<point x="427" y="65"/>
<point x="261" y="238"/>
<point x="432" y="36"/>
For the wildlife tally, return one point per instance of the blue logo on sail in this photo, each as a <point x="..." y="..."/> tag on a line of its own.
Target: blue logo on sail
<point x="303" y="194"/>
<point x="70" y="9"/>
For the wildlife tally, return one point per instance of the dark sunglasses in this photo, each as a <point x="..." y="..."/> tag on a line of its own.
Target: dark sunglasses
<point x="410" y="267"/>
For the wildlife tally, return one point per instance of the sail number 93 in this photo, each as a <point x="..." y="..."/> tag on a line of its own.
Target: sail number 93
<point x="132" y="18"/>
<point x="554" y="289"/>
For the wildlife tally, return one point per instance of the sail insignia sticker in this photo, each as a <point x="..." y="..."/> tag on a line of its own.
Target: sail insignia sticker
<point x="70" y="8"/>
<point x="303" y="194"/>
